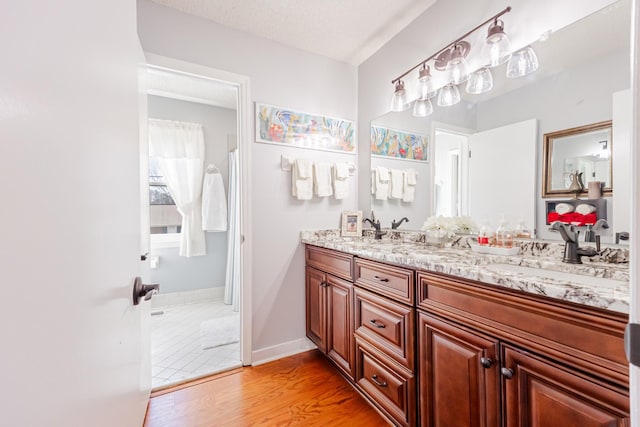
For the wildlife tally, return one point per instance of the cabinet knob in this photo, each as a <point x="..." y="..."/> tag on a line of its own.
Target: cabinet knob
<point x="376" y="324"/>
<point x="323" y="284"/>
<point x="486" y="362"/>
<point x="374" y="378"/>
<point x="507" y="373"/>
<point x="382" y="279"/>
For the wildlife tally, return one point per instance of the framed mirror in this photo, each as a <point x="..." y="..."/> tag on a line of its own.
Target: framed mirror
<point x="585" y="150"/>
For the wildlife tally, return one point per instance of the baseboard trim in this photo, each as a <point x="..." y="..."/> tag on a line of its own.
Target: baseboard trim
<point x="278" y="351"/>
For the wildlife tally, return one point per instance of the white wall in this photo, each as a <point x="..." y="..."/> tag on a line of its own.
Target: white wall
<point x="281" y="76"/>
<point x="176" y="273"/>
<point x="70" y="241"/>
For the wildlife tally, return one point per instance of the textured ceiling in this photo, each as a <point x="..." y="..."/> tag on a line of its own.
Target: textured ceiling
<point x="348" y="31"/>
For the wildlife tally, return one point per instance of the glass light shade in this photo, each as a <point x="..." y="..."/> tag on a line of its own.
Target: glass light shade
<point x="399" y="101"/>
<point x="457" y="67"/>
<point x="449" y="95"/>
<point x="480" y="81"/>
<point x="422" y="108"/>
<point x="425" y="84"/>
<point x="498" y="44"/>
<point x="522" y="62"/>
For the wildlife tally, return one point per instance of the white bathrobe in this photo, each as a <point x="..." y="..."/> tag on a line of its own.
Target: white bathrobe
<point x="214" y="203"/>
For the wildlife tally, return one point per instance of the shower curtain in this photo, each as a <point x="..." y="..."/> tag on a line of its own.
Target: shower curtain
<point x="232" y="282"/>
<point x="179" y="148"/>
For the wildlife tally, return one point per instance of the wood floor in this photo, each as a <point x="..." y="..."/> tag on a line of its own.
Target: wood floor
<point x="304" y="390"/>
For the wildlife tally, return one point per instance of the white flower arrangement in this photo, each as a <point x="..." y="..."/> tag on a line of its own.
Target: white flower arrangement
<point x="449" y="226"/>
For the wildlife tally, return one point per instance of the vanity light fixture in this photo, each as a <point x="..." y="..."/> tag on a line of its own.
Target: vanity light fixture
<point x="480" y="81"/>
<point x="498" y="44"/>
<point x="452" y="60"/>
<point x="422" y="108"/>
<point x="449" y="95"/>
<point x="399" y="101"/>
<point x="522" y="63"/>
<point x="425" y="83"/>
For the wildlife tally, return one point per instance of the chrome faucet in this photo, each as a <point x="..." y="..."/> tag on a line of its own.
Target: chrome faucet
<point x="572" y="250"/>
<point x="375" y="224"/>
<point x="395" y="225"/>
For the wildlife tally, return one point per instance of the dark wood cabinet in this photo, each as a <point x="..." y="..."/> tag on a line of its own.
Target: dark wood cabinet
<point x="459" y="375"/>
<point x="316" y="311"/>
<point x="434" y="350"/>
<point x="340" y="342"/>
<point x="540" y="393"/>
<point x="329" y="308"/>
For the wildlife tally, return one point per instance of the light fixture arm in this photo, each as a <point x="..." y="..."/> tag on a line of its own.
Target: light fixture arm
<point x="456" y="41"/>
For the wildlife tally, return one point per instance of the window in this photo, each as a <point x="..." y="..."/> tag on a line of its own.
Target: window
<point x="164" y="217"/>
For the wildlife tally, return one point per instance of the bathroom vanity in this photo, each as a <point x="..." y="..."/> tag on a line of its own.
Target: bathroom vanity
<point x="445" y="336"/>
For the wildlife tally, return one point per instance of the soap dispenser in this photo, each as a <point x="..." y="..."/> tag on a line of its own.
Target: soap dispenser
<point x="504" y="236"/>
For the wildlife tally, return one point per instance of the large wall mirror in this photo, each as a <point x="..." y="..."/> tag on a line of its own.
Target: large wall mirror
<point x="584" y="150"/>
<point x="579" y="81"/>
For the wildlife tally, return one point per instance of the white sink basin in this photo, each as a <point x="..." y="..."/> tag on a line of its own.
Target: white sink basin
<point x="578" y="279"/>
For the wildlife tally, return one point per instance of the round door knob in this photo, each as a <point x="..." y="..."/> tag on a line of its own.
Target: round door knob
<point x="486" y="362"/>
<point x="507" y="373"/>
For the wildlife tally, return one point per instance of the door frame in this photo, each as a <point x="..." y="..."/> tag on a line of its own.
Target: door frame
<point x="244" y="144"/>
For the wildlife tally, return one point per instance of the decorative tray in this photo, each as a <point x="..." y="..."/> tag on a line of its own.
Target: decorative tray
<point x="494" y="250"/>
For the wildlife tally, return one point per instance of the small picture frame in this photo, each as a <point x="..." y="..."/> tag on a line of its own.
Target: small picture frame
<point x="351" y="224"/>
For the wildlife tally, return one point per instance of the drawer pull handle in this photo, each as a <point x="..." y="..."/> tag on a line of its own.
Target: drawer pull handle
<point x="376" y="324"/>
<point x="507" y="373"/>
<point x="382" y="279"/>
<point x="374" y="378"/>
<point x="486" y="362"/>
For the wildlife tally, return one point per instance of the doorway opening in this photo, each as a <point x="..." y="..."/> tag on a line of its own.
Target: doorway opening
<point x="194" y="224"/>
<point x="450" y="180"/>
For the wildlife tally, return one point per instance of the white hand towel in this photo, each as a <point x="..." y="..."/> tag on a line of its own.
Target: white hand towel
<point x="408" y="177"/>
<point x="563" y="208"/>
<point x="214" y="203"/>
<point x="340" y="187"/>
<point x="301" y="188"/>
<point x="411" y="176"/>
<point x="304" y="168"/>
<point x="585" y="209"/>
<point x="373" y="182"/>
<point x="342" y="170"/>
<point x="322" y="179"/>
<point x="409" y="183"/>
<point x="397" y="186"/>
<point x="382" y="183"/>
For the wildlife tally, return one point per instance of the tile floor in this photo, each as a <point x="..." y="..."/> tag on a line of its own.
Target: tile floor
<point x="176" y="354"/>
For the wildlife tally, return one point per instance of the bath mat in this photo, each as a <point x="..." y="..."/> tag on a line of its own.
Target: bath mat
<point x="220" y="331"/>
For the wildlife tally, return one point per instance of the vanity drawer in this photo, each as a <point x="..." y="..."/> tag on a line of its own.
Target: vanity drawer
<point x="337" y="263"/>
<point x="388" y="385"/>
<point x="393" y="282"/>
<point x="580" y="336"/>
<point x="387" y="325"/>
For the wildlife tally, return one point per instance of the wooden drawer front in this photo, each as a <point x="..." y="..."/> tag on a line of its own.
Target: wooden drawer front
<point x="387" y="325"/>
<point x="337" y="263"/>
<point x="394" y="282"/>
<point x="580" y="336"/>
<point x="390" y="386"/>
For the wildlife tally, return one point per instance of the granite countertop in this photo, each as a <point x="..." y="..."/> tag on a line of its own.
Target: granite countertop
<point x="408" y="249"/>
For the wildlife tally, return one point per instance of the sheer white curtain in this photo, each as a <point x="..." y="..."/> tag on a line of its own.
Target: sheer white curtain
<point x="179" y="148"/>
<point x="232" y="282"/>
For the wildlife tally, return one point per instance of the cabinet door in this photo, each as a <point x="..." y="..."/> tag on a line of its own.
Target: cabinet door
<point x="458" y="371"/>
<point x="316" y="301"/>
<point x="340" y="341"/>
<point x="538" y="393"/>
